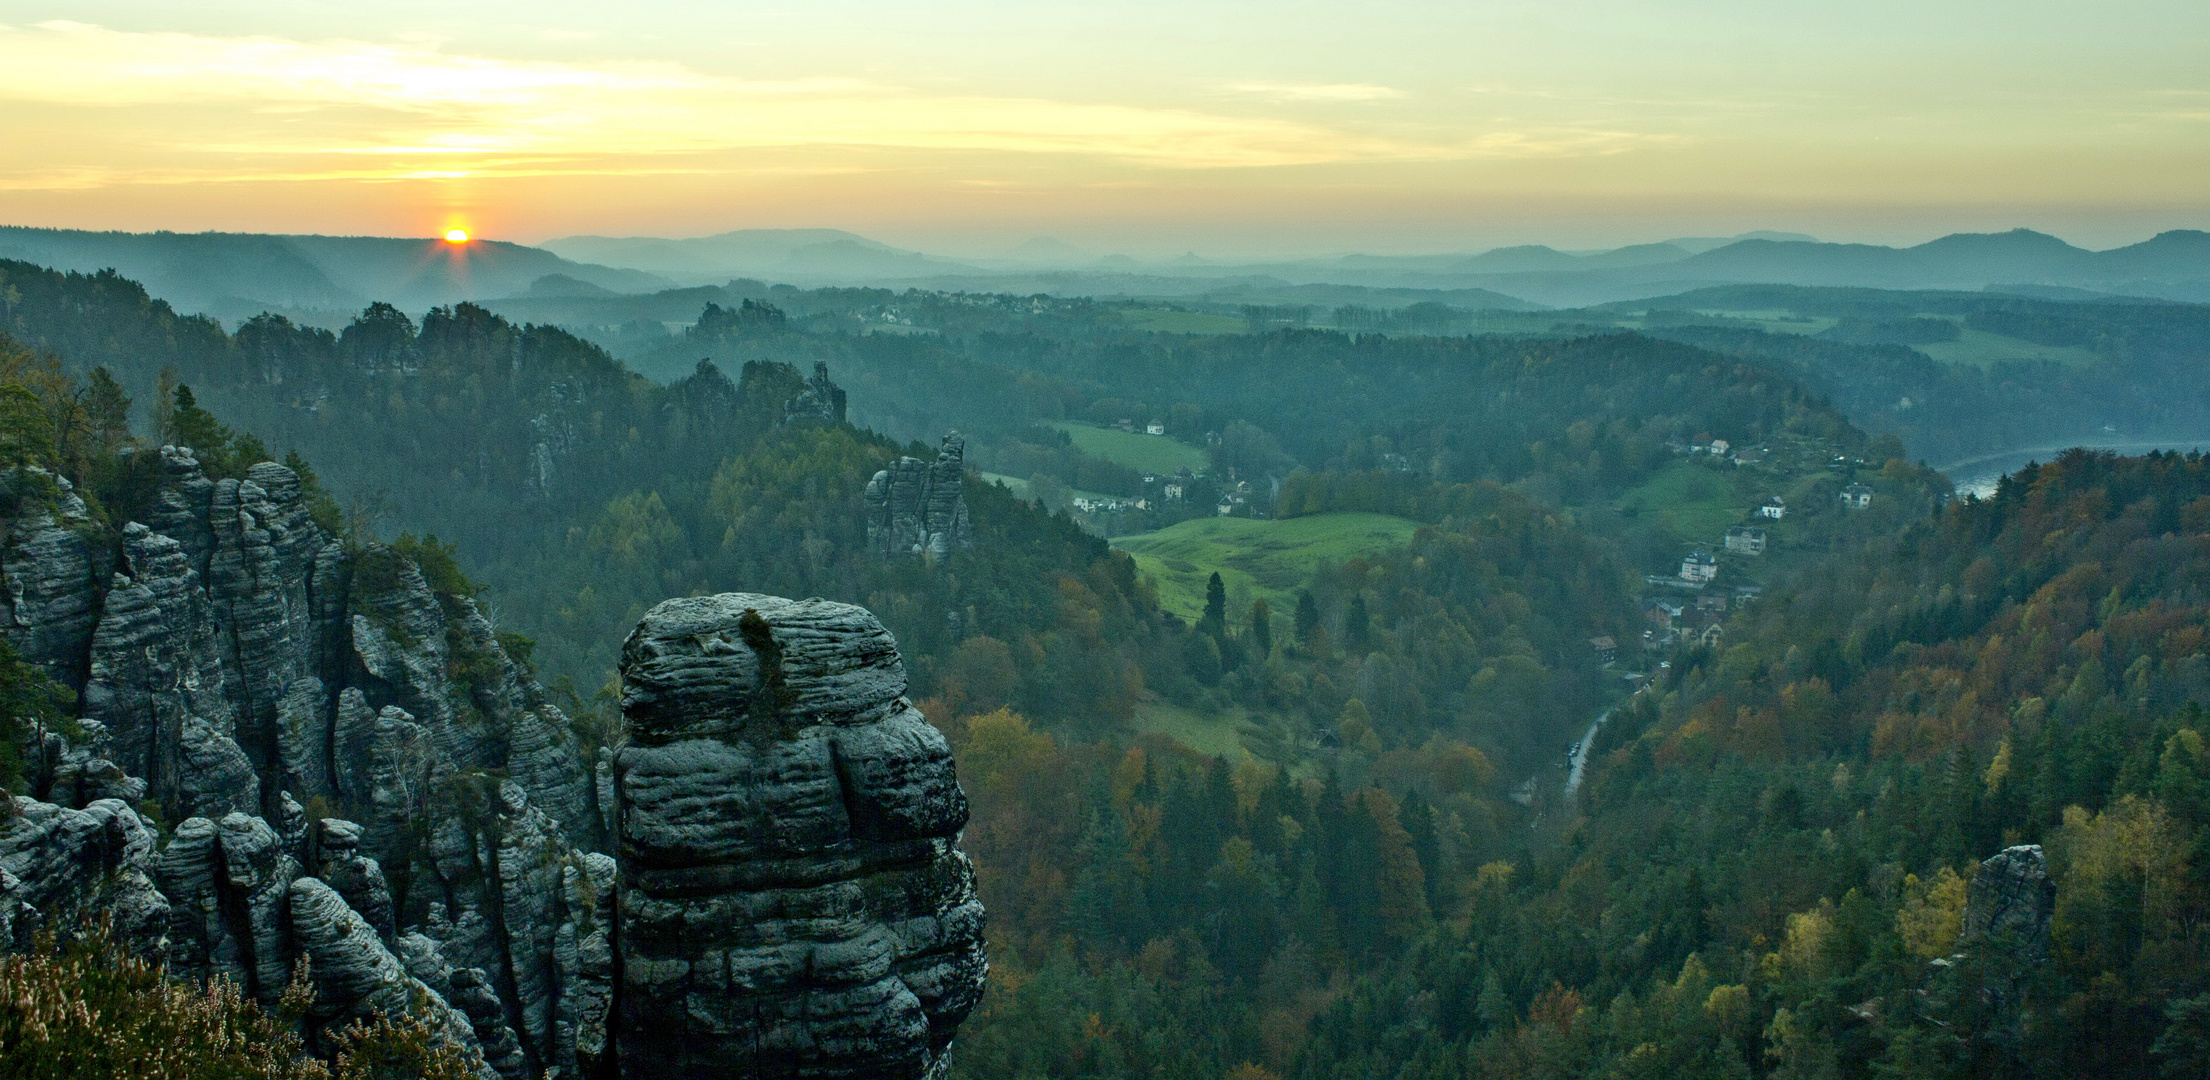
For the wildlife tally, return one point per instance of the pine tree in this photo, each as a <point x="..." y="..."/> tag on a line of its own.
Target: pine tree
<point x="1418" y="820"/>
<point x="1358" y="627"/>
<point x="192" y="426"/>
<point x="1262" y="628"/>
<point x="107" y="409"/>
<point x="1215" y="621"/>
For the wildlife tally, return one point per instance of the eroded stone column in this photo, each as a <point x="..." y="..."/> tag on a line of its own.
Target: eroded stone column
<point x="791" y="900"/>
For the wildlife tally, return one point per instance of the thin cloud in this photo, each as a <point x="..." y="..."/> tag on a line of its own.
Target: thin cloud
<point x="1317" y="91"/>
<point x="324" y="109"/>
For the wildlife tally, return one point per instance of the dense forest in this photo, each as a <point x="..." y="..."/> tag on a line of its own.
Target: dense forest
<point x="1763" y="869"/>
<point x="2108" y="369"/>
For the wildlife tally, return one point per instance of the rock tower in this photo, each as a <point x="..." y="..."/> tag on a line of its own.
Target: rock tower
<point x="791" y="901"/>
<point x="916" y="506"/>
<point x="821" y="402"/>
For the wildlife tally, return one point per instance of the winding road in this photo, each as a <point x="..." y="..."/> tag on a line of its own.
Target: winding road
<point x="1580" y="752"/>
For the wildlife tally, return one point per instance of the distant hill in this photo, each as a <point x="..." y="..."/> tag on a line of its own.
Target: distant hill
<point x="236" y="275"/>
<point x="1051" y="251"/>
<point x="2173" y="266"/>
<point x="801" y="256"/>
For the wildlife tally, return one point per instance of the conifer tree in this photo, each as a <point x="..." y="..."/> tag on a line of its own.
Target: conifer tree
<point x="1215" y="620"/>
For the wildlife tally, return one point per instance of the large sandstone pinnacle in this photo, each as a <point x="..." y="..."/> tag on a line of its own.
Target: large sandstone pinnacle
<point x="791" y="901"/>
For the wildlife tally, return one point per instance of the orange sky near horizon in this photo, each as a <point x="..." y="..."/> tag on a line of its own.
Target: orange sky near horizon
<point x="1230" y="128"/>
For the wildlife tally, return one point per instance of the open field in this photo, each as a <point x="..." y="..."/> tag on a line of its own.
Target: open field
<point x="1978" y="348"/>
<point x="1269" y="559"/>
<point x="1182" y="322"/>
<point x="1152" y="453"/>
<point x="1777" y="322"/>
<point x="1695" y="503"/>
<point x="1218" y="734"/>
<point x="1019" y="487"/>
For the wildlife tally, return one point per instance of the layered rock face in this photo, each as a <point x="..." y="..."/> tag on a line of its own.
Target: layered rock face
<point x="791" y="899"/>
<point x="916" y="507"/>
<point x="235" y="665"/>
<point x="2011" y="901"/>
<point x="364" y="781"/>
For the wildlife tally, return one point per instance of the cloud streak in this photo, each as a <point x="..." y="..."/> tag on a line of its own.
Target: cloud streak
<point x="428" y="113"/>
<point x="1317" y="91"/>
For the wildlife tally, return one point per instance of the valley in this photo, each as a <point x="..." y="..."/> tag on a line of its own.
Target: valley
<point x="1248" y="639"/>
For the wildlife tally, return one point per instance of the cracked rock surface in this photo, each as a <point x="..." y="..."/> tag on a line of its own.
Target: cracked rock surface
<point x="362" y="779"/>
<point x="791" y="900"/>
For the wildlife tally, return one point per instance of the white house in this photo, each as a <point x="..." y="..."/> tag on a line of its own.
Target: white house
<point x="1154" y="428"/>
<point x="1856" y="496"/>
<point x="1699" y="566"/>
<point x="1746" y="540"/>
<point x="1774" y="508"/>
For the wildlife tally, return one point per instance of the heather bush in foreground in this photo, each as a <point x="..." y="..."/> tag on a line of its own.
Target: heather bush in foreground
<point x="90" y="1010"/>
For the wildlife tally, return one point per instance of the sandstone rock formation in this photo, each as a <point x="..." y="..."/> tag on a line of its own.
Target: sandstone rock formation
<point x="364" y="781"/>
<point x="238" y="664"/>
<point x="2011" y="901"/>
<point x="916" y="507"/>
<point x="821" y="402"/>
<point x="791" y="899"/>
<point x="67" y="866"/>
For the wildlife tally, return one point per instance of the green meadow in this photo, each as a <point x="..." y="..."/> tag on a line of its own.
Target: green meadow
<point x="1163" y="321"/>
<point x="1160" y="454"/>
<point x="1978" y="348"/>
<point x="1269" y="559"/>
<point x="1696" y="503"/>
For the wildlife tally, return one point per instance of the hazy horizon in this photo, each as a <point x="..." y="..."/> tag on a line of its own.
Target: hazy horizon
<point x="1233" y="129"/>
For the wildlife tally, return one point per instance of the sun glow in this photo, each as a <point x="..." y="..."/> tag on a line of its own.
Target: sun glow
<point x="456" y="236"/>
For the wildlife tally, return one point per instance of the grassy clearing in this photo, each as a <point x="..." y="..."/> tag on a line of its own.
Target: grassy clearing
<point x="1217" y="734"/>
<point x="1019" y="487"/>
<point x="1770" y="321"/>
<point x="1978" y="348"/>
<point x="1163" y="321"/>
<point x="1152" y="453"/>
<point x="1695" y="503"/>
<point x="1269" y="559"/>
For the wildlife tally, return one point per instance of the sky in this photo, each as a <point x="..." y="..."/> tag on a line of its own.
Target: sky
<point x="1227" y="128"/>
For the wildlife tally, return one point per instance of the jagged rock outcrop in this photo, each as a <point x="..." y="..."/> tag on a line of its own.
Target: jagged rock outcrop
<point x="67" y="866"/>
<point x="49" y="573"/>
<point x="821" y="402"/>
<point x="916" y="507"/>
<point x="258" y="678"/>
<point x="791" y="900"/>
<point x="2011" y="902"/>
<point x="583" y="948"/>
<point x="355" y="975"/>
<point x="367" y="783"/>
<point x="470" y="992"/>
<point x="356" y="877"/>
<point x="156" y="683"/>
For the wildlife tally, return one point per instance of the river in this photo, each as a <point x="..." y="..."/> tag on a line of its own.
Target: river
<point x="1979" y="475"/>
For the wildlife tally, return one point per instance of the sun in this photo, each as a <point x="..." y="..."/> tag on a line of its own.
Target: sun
<point x="457" y="236"/>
